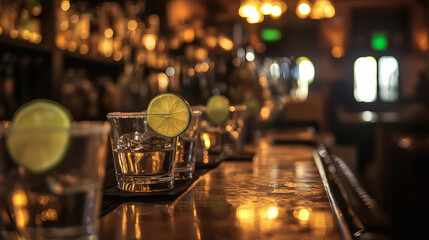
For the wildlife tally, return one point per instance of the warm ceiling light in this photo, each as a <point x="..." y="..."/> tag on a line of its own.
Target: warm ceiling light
<point x="329" y="10"/>
<point x="247" y="9"/>
<point x="322" y="9"/>
<point x="254" y="10"/>
<point x="266" y="8"/>
<point x="278" y="8"/>
<point x="276" y="11"/>
<point x="303" y="9"/>
<point x="255" y="17"/>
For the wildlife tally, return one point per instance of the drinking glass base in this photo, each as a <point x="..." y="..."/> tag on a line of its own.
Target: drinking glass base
<point x="144" y="183"/>
<point x="70" y="233"/>
<point x="183" y="175"/>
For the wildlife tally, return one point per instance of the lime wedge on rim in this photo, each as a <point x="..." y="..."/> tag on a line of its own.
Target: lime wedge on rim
<point x="217" y="108"/>
<point x="39" y="135"/>
<point x="168" y="114"/>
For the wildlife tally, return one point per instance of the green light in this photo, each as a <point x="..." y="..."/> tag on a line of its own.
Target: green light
<point x="271" y="34"/>
<point x="379" y="41"/>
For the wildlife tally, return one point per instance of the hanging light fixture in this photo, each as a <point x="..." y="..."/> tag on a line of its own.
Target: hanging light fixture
<point x="322" y="9"/>
<point x="303" y="9"/>
<point x="277" y="9"/>
<point x="254" y="10"/>
<point x="265" y="7"/>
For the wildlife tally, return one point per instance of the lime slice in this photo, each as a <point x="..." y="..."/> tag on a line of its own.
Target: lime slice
<point x="39" y="135"/>
<point x="168" y="114"/>
<point x="217" y="108"/>
<point x="253" y="106"/>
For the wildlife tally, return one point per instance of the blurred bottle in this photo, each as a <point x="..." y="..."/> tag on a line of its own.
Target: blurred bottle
<point x="24" y="78"/>
<point x="79" y="95"/>
<point x="20" y="20"/>
<point x="108" y="95"/>
<point x="8" y="103"/>
<point x="133" y="92"/>
<point x="244" y="88"/>
<point x="243" y="81"/>
<point x="189" y="84"/>
<point x="220" y="75"/>
<point x="90" y="93"/>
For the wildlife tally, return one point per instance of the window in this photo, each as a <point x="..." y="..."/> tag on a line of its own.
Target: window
<point x="365" y="71"/>
<point x="370" y="80"/>
<point x="388" y="79"/>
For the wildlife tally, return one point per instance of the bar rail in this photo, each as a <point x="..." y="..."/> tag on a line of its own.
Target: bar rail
<point x="345" y="231"/>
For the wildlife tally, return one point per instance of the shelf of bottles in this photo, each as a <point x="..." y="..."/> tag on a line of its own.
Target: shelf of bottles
<point x="134" y="54"/>
<point x="179" y="57"/>
<point x="108" y="30"/>
<point x="20" y="19"/>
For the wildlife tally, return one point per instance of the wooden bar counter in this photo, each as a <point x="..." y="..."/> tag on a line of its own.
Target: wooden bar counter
<point x="278" y="195"/>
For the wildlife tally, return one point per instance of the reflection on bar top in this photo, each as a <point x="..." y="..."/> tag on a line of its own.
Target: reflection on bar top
<point x="278" y="195"/>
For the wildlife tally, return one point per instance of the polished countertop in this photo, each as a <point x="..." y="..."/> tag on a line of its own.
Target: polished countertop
<point x="278" y="195"/>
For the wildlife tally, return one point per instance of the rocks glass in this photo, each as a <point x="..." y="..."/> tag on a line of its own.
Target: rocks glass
<point x="144" y="160"/>
<point x="63" y="201"/>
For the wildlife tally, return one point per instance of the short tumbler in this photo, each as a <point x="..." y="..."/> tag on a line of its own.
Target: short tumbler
<point x="212" y="150"/>
<point x="144" y="160"/>
<point x="235" y="126"/>
<point x="186" y="148"/>
<point x="59" y="202"/>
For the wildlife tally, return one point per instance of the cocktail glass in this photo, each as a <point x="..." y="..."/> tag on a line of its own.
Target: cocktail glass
<point x="144" y="160"/>
<point x="62" y="201"/>
<point x="186" y="148"/>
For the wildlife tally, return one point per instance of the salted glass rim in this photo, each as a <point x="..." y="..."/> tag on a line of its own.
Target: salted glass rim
<point x="232" y="108"/>
<point x="194" y="112"/>
<point x="132" y="114"/>
<point x="143" y="114"/>
<point x="77" y="127"/>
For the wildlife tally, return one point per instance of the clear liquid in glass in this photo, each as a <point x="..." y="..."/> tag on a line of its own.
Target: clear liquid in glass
<point x="48" y="214"/>
<point x="61" y="203"/>
<point x="144" y="164"/>
<point x="212" y="149"/>
<point x="185" y="158"/>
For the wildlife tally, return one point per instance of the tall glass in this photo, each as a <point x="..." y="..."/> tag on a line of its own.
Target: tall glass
<point x="144" y="160"/>
<point x="186" y="148"/>
<point x="62" y="202"/>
